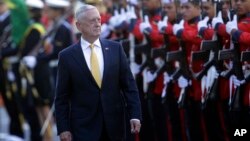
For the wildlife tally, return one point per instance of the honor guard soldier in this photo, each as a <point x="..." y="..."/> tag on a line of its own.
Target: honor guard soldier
<point x="7" y="77"/>
<point x="239" y="29"/>
<point x="232" y="31"/>
<point x="57" y="12"/>
<point x="171" y="89"/>
<point x="187" y="32"/>
<point x="146" y="29"/>
<point x="37" y="88"/>
<point x="134" y="21"/>
<point x="218" y="24"/>
<point x="216" y="87"/>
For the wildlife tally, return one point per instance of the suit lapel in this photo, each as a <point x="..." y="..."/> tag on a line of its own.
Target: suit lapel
<point x="79" y="58"/>
<point x="106" y="58"/>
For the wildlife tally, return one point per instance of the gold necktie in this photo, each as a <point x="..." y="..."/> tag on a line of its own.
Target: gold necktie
<point x="95" y="70"/>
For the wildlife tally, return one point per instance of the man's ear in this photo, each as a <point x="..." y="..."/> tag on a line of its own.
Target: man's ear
<point x="77" y="24"/>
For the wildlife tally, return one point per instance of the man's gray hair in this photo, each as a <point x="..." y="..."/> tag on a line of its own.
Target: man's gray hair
<point x="82" y="10"/>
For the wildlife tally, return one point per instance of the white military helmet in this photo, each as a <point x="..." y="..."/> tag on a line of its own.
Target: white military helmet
<point x="57" y="3"/>
<point x="35" y="3"/>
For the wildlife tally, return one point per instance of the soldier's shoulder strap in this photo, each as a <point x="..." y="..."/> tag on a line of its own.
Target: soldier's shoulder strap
<point x="39" y="27"/>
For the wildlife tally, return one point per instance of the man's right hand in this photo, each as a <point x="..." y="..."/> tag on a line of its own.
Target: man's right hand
<point x="65" y="136"/>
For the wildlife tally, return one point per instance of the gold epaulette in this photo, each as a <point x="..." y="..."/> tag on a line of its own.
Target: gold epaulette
<point x="39" y="27"/>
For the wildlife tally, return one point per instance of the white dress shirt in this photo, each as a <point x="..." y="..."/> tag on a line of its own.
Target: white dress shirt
<point x="85" y="45"/>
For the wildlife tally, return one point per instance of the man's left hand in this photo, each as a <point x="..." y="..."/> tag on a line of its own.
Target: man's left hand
<point x="135" y="125"/>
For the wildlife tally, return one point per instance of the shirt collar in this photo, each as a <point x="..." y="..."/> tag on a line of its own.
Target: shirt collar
<point x="85" y="44"/>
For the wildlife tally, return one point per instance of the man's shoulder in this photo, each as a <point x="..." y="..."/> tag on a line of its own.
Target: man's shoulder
<point x="68" y="50"/>
<point x="110" y="42"/>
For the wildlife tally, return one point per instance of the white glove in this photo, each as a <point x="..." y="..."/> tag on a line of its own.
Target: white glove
<point x="159" y="62"/>
<point x="217" y="20"/>
<point x="130" y="14"/>
<point x="212" y="70"/>
<point x="182" y="82"/>
<point x="232" y="25"/>
<point x="135" y="68"/>
<point x="162" y="24"/>
<point x="11" y="76"/>
<point x="105" y="31"/>
<point x="122" y="17"/>
<point x="114" y="20"/>
<point x="212" y="74"/>
<point x="166" y="78"/>
<point x="145" y="26"/>
<point x="238" y="82"/>
<point x="29" y="61"/>
<point x="150" y="76"/>
<point x="203" y="23"/>
<point x="178" y="27"/>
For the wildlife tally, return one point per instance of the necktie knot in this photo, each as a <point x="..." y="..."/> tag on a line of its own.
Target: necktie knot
<point x="91" y="46"/>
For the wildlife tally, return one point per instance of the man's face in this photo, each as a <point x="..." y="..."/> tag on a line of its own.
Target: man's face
<point x="108" y="3"/>
<point x="225" y="8"/>
<point x="189" y="11"/>
<point x="50" y="13"/>
<point x="208" y="8"/>
<point x="89" y="23"/>
<point x="242" y="6"/>
<point x="170" y="9"/>
<point x="150" y="4"/>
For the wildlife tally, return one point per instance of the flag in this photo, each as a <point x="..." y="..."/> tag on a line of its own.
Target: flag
<point x="19" y="16"/>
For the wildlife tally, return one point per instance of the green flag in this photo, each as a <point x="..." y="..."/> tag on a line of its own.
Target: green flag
<point x="19" y="18"/>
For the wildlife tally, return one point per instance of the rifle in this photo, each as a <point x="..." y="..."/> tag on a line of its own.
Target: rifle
<point x="126" y="46"/>
<point x="183" y="70"/>
<point x="168" y="67"/>
<point x="245" y="56"/>
<point x="209" y="54"/>
<point x="209" y="49"/>
<point x="234" y="55"/>
<point x="145" y="50"/>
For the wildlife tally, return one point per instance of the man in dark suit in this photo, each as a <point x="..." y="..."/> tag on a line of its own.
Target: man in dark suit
<point x="94" y="84"/>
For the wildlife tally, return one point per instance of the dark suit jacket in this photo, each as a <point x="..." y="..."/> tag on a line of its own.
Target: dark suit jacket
<point x="82" y="107"/>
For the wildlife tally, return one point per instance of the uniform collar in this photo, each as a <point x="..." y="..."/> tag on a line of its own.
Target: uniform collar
<point x="194" y="20"/>
<point x="244" y="16"/>
<point x="155" y="12"/>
